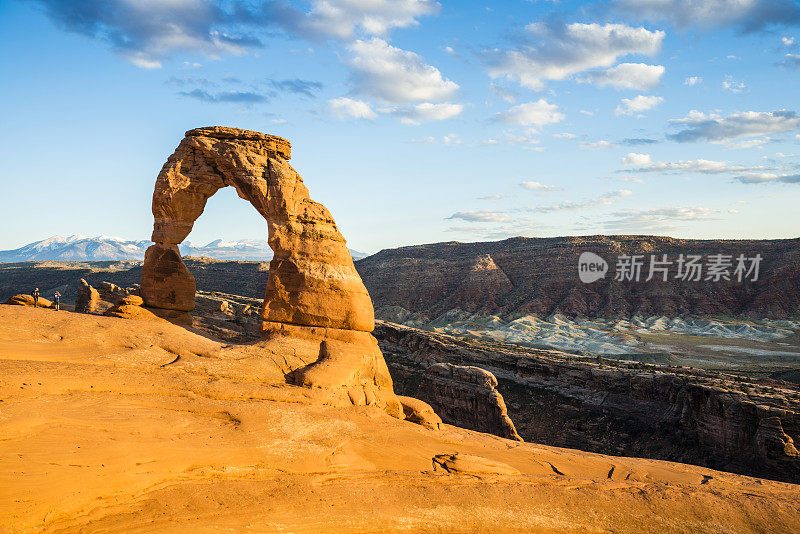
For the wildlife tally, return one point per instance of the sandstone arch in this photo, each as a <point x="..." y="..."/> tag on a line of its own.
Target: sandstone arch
<point x="317" y="313"/>
<point x="312" y="280"/>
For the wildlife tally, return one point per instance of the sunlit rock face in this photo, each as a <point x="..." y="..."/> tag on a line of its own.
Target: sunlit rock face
<point x="316" y="307"/>
<point x="312" y="280"/>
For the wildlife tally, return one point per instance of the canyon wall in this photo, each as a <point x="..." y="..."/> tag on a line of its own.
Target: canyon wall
<point x="620" y="408"/>
<point x="539" y="276"/>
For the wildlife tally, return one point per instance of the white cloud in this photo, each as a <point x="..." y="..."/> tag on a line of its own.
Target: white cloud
<point x="587" y="112"/>
<point x="644" y="163"/>
<point x="343" y="18"/>
<point x="716" y="128"/>
<point x="146" y="32"/>
<point x="538" y="186"/>
<point x="395" y="75"/>
<point x="766" y="177"/>
<point x="451" y="139"/>
<point x="747" y="143"/>
<point x="639" y="76"/>
<point x="537" y="113"/>
<point x="427" y="111"/>
<point x="481" y="216"/>
<point x="597" y="145"/>
<point x="347" y="108"/>
<point x="729" y="84"/>
<point x="642" y="160"/>
<point x="787" y="41"/>
<point x="659" y="219"/>
<point x="424" y="140"/>
<point x="749" y="15"/>
<point x="603" y="200"/>
<point x="557" y="52"/>
<point x="629" y="106"/>
<point x="565" y="135"/>
<point x="693" y="80"/>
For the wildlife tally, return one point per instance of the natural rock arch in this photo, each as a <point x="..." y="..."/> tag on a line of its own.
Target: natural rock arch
<point x="312" y="279"/>
<point x="317" y="314"/>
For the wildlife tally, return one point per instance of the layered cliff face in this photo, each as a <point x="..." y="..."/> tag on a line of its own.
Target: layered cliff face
<point x="467" y="397"/>
<point x="527" y="276"/>
<point x="619" y="408"/>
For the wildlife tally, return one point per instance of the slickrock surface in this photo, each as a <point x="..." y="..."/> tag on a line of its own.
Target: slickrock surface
<point x="539" y="276"/>
<point x="112" y="425"/>
<point x="704" y="418"/>
<point x="27" y="300"/>
<point x="315" y="305"/>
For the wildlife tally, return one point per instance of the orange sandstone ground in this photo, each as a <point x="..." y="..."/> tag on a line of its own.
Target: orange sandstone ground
<point x="112" y="425"/>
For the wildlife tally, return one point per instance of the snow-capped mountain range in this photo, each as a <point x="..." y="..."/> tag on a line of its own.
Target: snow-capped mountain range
<point x="100" y="248"/>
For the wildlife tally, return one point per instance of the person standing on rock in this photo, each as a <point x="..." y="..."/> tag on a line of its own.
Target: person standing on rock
<point x="35" y="296"/>
<point x="57" y="300"/>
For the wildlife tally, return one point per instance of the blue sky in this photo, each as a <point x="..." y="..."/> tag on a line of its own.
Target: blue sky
<point x="413" y="121"/>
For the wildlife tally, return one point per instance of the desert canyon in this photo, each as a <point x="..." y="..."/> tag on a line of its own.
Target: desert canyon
<point x="155" y="407"/>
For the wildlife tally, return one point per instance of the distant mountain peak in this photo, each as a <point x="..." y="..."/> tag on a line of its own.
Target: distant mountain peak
<point x="79" y="247"/>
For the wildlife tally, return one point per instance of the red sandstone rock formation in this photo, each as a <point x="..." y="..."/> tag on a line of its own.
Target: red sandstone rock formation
<point x="316" y="309"/>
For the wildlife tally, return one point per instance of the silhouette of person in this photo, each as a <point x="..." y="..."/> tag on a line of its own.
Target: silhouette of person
<point x="57" y="300"/>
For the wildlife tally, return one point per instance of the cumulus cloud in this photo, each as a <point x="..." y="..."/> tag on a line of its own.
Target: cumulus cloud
<point x="481" y="216"/>
<point x="606" y="199"/>
<point x="427" y="111"/>
<point x="394" y="75"/>
<point x="729" y="84"/>
<point x="537" y="113"/>
<point x="644" y="163"/>
<point x="787" y="41"/>
<point x="344" y="18"/>
<point x="659" y="219"/>
<point x="747" y="15"/>
<point x="629" y="106"/>
<point x="717" y="128"/>
<point x="340" y="19"/>
<point x="565" y="135"/>
<point x="147" y="33"/>
<point x="557" y="52"/>
<point x="638" y="76"/>
<point x="693" y="80"/>
<point x="348" y="108"/>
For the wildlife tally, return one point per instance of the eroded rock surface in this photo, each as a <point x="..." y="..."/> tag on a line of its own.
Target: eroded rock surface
<point x="467" y="396"/>
<point x="88" y="300"/>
